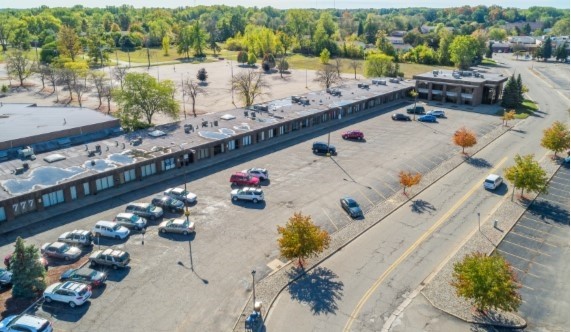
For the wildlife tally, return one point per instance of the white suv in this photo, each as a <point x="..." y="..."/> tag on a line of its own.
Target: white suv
<point x="25" y="323"/>
<point x="260" y="173"/>
<point x="72" y="293"/>
<point x="249" y="194"/>
<point x="110" y="229"/>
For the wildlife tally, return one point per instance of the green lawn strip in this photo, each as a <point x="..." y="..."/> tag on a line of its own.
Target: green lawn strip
<point x="526" y="109"/>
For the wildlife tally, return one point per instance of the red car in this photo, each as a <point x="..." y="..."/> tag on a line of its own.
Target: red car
<point x="244" y="179"/>
<point x="353" y="134"/>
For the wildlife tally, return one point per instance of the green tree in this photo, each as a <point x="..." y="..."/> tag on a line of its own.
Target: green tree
<point x="377" y="65"/>
<point x="166" y="43"/>
<point x="143" y="96"/>
<point x="489" y="51"/>
<point x="497" y="34"/>
<point x="184" y="41"/>
<point x="202" y="75"/>
<point x="324" y="56"/>
<point x="446" y="38"/>
<point x="527" y="175"/>
<point x="68" y="42"/>
<point x="301" y="238"/>
<point x="561" y="27"/>
<point x="384" y="45"/>
<point x="252" y="59"/>
<point x="519" y="89"/>
<point x="489" y="281"/>
<point x="18" y="65"/>
<point x="99" y="46"/>
<point x="28" y="273"/>
<point x="561" y="52"/>
<point x="511" y="95"/>
<point x="283" y="66"/>
<point x="242" y="57"/>
<point x="213" y="45"/>
<point x="463" y="50"/>
<point x="546" y="49"/>
<point x="199" y="38"/>
<point x="556" y="138"/>
<point x="249" y="85"/>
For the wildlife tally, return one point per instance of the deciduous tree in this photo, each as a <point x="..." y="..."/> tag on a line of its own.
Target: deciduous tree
<point x="192" y="89"/>
<point x="283" y="66"/>
<point x="556" y="138"/>
<point x="301" y="238"/>
<point x="409" y="179"/>
<point x="355" y="64"/>
<point x="18" y="66"/>
<point x="202" y="75"/>
<point x="488" y="281"/>
<point x="527" y="174"/>
<point x="98" y="80"/>
<point x="327" y="76"/>
<point x="377" y="65"/>
<point x="508" y="115"/>
<point x="68" y="42"/>
<point x="324" y="56"/>
<point x="464" y="138"/>
<point x="28" y="274"/>
<point x="249" y="84"/>
<point x="463" y="50"/>
<point x="143" y="96"/>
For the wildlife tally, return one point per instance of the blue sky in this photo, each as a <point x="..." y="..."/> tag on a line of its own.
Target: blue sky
<point x="292" y="3"/>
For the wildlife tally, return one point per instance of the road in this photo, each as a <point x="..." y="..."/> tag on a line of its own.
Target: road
<point x="359" y="287"/>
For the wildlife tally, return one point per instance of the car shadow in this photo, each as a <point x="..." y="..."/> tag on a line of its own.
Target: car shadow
<point x="113" y="275"/>
<point x="500" y="190"/>
<point x="548" y="211"/>
<point x="362" y="140"/>
<point x="62" y="311"/>
<point x="98" y="291"/>
<point x="265" y="183"/>
<point x="178" y="237"/>
<point x="55" y="262"/>
<point x="107" y="241"/>
<point x="477" y="162"/>
<point x="421" y="206"/>
<point x="250" y="205"/>
<point x="319" y="288"/>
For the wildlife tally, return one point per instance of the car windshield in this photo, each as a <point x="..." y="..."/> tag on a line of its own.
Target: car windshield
<point x="83" y="291"/>
<point x="122" y="257"/>
<point x="152" y="208"/>
<point x="116" y="227"/>
<point x="64" y="248"/>
<point x="351" y="203"/>
<point x="134" y="218"/>
<point x="489" y="181"/>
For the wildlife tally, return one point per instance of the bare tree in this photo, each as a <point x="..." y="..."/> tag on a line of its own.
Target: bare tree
<point x="42" y="72"/>
<point x="98" y="80"/>
<point x="107" y="93"/>
<point x="66" y="77"/>
<point x="119" y="74"/>
<point x="327" y="76"/>
<point x="79" y="86"/>
<point x="192" y="89"/>
<point x="249" y="85"/>
<point x="355" y="64"/>
<point x="52" y="75"/>
<point x="338" y="64"/>
<point x="18" y="66"/>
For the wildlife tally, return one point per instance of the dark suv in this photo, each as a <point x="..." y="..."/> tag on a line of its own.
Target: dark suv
<point x="168" y="204"/>
<point x="417" y="110"/>
<point x="110" y="257"/>
<point x="322" y="147"/>
<point x="145" y="210"/>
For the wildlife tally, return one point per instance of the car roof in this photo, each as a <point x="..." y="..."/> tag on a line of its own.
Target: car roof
<point x="106" y="223"/>
<point x="112" y="252"/>
<point x="176" y="190"/>
<point x="29" y="320"/>
<point x="240" y="173"/>
<point x="127" y="215"/>
<point x="85" y="271"/>
<point x="493" y="177"/>
<point x="58" y="245"/>
<point x="143" y="205"/>
<point x="178" y="221"/>
<point x="72" y="285"/>
<point x="349" y="199"/>
<point x="80" y="231"/>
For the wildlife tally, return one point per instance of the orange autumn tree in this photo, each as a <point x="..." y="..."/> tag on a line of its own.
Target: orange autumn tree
<point x="465" y="138"/>
<point x="408" y="179"/>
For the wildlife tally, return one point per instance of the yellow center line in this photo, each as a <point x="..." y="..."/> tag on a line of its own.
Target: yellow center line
<point x="413" y="247"/>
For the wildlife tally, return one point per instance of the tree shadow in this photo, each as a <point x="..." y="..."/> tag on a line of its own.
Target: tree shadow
<point x="318" y="288"/>
<point x="421" y="206"/>
<point x="477" y="162"/>
<point x="547" y="211"/>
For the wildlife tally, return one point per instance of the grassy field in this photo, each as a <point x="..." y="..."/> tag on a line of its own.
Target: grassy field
<point x="527" y="108"/>
<point x="489" y="62"/>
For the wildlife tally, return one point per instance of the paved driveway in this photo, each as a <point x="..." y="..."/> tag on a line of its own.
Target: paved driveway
<point x="538" y="249"/>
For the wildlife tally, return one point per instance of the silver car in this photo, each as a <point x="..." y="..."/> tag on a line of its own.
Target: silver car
<point x="181" y="226"/>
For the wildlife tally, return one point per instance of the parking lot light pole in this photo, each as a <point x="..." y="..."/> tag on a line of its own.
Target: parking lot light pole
<point x="254" y="289"/>
<point x="479" y="230"/>
<point x="328" y="141"/>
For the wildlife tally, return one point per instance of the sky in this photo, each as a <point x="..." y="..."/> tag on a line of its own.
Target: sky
<point x="340" y="4"/>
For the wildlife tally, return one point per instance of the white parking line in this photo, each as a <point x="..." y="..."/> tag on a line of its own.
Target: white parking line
<point x="330" y="220"/>
<point x="533" y="239"/>
<point x="524" y="259"/>
<point x="524" y="247"/>
<point x="528" y="273"/>
<point x="544" y="223"/>
<point x="537" y="230"/>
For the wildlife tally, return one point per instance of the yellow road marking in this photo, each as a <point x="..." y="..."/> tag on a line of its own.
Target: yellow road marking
<point x="413" y="247"/>
<point x="330" y="220"/>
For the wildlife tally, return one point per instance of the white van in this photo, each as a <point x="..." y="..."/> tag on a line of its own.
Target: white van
<point x="493" y="181"/>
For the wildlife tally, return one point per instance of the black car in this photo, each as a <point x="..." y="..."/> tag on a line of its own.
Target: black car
<point x="351" y="207"/>
<point x="85" y="275"/>
<point x="415" y="110"/>
<point x="400" y="117"/>
<point x="322" y="147"/>
<point x="168" y="204"/>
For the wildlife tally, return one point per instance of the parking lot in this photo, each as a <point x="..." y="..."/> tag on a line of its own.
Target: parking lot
<point x="537" y="247"/>
<point x="162" y="291"/>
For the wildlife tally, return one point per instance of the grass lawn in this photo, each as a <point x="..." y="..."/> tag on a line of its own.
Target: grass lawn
<point x="527" y="108"/>
<point x="489" y="62"/>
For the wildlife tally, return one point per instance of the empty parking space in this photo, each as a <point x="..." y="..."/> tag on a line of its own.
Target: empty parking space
<point x="538" y="249"/>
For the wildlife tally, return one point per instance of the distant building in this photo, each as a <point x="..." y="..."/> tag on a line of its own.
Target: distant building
<point x="429" y="28"/>
<point x="396" y="40"/>
<point x="533" y="25"/>
<point x="402" y="47"/>
<point x="460" y="87"/>
<point x="398" y="33"/>
<point x="499" y="47"/>
<point x="526" y="43"/>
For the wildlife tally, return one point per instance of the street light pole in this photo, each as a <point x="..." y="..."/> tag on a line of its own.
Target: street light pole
<point x="232" y="84"/>
<point x="479" y="230"/>
<point x="254" y="289"/>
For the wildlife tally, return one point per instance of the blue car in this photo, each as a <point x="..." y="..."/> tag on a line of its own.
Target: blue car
<point x="427" y="118"/>
<point x="351" y="207"/>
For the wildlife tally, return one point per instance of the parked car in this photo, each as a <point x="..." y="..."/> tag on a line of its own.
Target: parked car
<point x="244" y="179"/>
<point x="427" y="118"/>
<point x="70" y="292"/>
<point x="322" y="147"/>
<point x="110" y="229"/>
<point x="181" y="194"/>
<point x="110" y="257"/>
<point x="42" y="260"/>
<point x="353" y="134"/>
<point x="248" y="194"/>
<point x="493" y="181"/>
<point x="85" y="275"/>
<point x="145" y="210"/>
<point x="415" y="110"/>
<point x="400" y="117"/>
<point x="76" y="237"/>
<point x="181" y="226"/>
<point x="60" y="250"/>
<point x="131" y="221"/>
<point x="25" y="322"/>
<point x="5" y="278"/>
<point x="351" y="207"/>
<point x="168" y="203"/>
<point x="261" y="173"/>
<point x="437" y="113"/>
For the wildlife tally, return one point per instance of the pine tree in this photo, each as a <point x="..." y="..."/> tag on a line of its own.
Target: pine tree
<point x="28" y="273"/>
<point x="519" y="85"/>
<point x="510" y="96"/>
<point x="546" y="49"/>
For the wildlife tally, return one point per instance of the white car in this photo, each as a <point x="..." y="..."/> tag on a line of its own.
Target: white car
<point x="25" y="323"/>
<point x="260" y="173"/>
<point x="181" y="194"/>
<point x="70" y="292"/>
<point x="248" y="194"/>
<point x="493" y="181"/>
<point x="110" y="229"/>
<point x="437" y="113"/>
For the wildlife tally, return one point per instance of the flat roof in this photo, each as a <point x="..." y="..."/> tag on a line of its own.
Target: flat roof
<point x="446" y="75"/>
<point x="25" y="120"/>
<point x="119" y="151"/>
